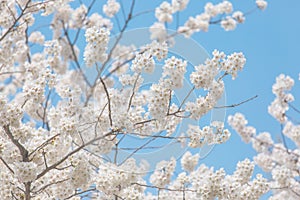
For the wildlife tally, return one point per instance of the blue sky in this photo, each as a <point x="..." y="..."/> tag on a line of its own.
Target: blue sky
<point x="270" y="40"/>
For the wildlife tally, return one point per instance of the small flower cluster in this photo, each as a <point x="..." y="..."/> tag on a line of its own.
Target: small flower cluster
<point x="164" y="12"/>
<point x="98" y="21"/>
<point x="159" y="101"/>
<point x="112" y="179"/>
<point x="53" y="52"/>
<point x="174" y="70"/>
<point x="143" y="62"/>
<point x="234" y="63"/>
<point x="207" y="135"/>
<point x="36" y="37"/>
<point x="95" y="50"/>
<point x="261" y="4"/>
<point x="280" y="104"/>
<point x="179" y="5"/>
<point x="25" y="171"/>
<point x="189" y="161"/>
<point x="111" y="8"/>
<point x="78" y="16"/>
<point x="10" y="113"/>
<point x="158" y="32"/>
<point x="205" y="74"/>
<point x="293" y="132"/>
<point x="7" y="11"/>
<point x="163" y="173"/>
<point x="238" y="123"/>
<point x="159" y="50"/>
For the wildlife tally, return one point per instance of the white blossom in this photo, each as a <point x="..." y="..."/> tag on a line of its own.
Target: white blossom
<point x="111" y="8"/>
<point x="238" y="16"/>
<point x="228" y="24"/>
<point x="95" y="50"/>
<point x="36" y="37"/>
<point x="25" y="171"/>
<point x="261" y="4"/>
<point x="179" y="5"/>
<point x="164" y="12"/>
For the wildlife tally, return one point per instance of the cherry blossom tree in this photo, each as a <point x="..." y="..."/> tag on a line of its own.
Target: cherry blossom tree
<point x="67" y="112"/>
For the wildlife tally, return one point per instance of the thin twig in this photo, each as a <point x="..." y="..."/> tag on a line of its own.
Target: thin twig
<point x="237" y="104"/>
<point x="8" y="167"/>
<point x="132" y="94"/>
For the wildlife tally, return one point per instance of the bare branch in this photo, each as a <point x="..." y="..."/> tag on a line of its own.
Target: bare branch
<point x="237" y="104"/>
<point x="108" y="99"/>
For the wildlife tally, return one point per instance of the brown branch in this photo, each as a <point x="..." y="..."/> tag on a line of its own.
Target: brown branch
<point x="131" y="97"/>
<point x="27" y="190"/>
<point x="5" y="163"/>
<point x="108" y="99"/>
<point x="16" y="142"/>
<point x="43" y="144"/>
<point x="144" y="122"/>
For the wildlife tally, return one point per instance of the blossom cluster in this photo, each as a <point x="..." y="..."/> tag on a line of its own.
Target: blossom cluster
<point x="206" y="76"/>
<point x="280" y="104"/>
<point x="208" y="135"/>
<point x="111" y="8"/>
<point x="95" y="51"/>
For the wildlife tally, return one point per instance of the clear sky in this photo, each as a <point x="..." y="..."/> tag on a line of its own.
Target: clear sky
<point x="270" y="41"/>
